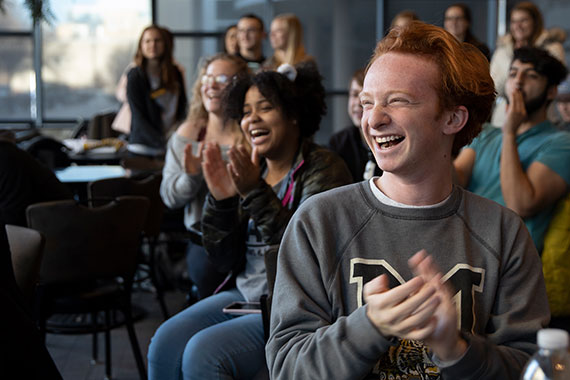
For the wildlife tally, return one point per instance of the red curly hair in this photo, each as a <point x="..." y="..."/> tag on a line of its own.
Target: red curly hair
<point x="465" y="78"/>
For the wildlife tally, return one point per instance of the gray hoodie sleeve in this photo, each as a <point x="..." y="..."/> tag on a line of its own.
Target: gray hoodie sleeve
<point x="178" y="188"/>
<point x="306" y="341"/>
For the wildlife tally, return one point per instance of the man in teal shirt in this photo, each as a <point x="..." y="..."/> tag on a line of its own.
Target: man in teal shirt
<point x="525" y="165"/>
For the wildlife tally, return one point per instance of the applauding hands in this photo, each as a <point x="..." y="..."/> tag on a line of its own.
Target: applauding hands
<point x="239" y="176"/>
<point x="192" y="162"/>
<point x="420" y="309"/>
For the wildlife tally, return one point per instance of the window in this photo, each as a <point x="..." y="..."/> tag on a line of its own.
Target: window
<point x="85" y="52"/>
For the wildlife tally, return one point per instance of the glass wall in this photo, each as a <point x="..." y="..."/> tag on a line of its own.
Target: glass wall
<point x="16" y="65"/>
<point x="85" y="51"/>
<point x="16" y="78"/>
<point x="16" y="17"/>
<point x="89" y="43"/>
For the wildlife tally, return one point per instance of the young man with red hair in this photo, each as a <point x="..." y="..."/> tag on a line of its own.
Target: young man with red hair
<point x="407" y="275"/>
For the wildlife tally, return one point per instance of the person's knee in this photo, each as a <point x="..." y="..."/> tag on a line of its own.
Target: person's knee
<point x="201" y="355"/>
<point x="165" y="342"/>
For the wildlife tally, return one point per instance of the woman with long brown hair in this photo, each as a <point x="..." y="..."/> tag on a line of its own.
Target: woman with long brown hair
<point x="155" y="92"/>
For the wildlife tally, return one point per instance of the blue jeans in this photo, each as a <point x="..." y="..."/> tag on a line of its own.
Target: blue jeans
<point x="202" y="342"/>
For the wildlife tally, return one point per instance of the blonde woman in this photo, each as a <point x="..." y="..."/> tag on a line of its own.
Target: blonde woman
<point x="286" y="37"/>
<point x="182" y="181"/>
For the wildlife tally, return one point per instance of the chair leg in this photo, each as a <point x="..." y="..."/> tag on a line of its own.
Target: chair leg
<point x="154" y="278"/>
<point x="107" y="344"/>
<point x="94" y="343"/>
<point x="134" y="342"/>
<point x="42" y="328"/>
<point x="39" y="311"/>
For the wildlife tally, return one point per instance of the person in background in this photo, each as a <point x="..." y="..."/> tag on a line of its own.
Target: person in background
<point x="250" y="202"/>
<point x="156" y="94"/>
<point x="407" y="276"/>
<point x="122" y="122"/>
<point x="563" y="104"/>
<point x="403" y="18"/>
<point x="349" y="143"/>
<point x="250" y="34"/>
<point x="524" y="164"/>
<point x="526" y="29"/>
<point x="24" y="181"/>
<point x="182" y="180"/>
<point x="457" y="21"/>
<point x="286" y="37"/>
<point x="231" y="45"/>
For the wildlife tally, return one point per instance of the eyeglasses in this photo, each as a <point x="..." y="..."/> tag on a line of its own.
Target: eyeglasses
<point x="454" y="18"/>
<point x="221" y="79"/>
<point x="249" y="30"/>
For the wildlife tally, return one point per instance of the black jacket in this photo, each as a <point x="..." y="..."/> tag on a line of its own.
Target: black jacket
<point x="146" y="122"/>
<point x="349" y="145"/>
<point x="224" y="223"/>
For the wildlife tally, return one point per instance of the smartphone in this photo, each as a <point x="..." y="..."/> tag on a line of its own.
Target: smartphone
<point x="240" y="307"/>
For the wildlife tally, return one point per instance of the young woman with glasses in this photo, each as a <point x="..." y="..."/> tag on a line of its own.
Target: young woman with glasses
<point x="182" y="181"/>
<point x="250" y="202"/>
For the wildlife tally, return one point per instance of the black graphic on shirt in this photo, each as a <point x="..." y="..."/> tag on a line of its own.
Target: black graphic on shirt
<point x="410" y="360"/>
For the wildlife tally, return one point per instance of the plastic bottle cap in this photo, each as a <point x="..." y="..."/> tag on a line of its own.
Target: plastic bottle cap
<point x="552" y="339"/>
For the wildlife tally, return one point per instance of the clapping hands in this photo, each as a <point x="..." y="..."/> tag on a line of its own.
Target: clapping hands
<point x="192" y="163"/>
<point x="420" y="309"/>
<point x="244" y="169"/>
<point x="225" y="180"/>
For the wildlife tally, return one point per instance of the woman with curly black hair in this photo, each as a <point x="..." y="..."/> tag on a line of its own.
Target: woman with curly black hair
<point x="250" y="202"/>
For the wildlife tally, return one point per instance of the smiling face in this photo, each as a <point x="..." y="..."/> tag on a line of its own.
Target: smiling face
<point x="212" y="83"/>
<point x="231" y="41"/>
<point x="266" y="128"/>
<point x="455" y="22"/>
<point x="152" y="44"/>
<point x="354" y="107"/>
<point x="249" y="33"/>
<point x="278" y="35"/>
<point x="402" y="122"/>
<point x="522" y="26"/>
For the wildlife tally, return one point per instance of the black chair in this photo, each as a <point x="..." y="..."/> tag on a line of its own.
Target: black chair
<point x="104" y="191"/>
<point x="48" y="151"/>
<point x="99" y="127"/>
<point x="90" y="258"/>
<point x="26" y="247"/>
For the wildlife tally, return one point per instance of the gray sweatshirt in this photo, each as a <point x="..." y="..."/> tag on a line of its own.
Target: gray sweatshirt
<point x="339" y="240"/>
<point x="178" y="188"/>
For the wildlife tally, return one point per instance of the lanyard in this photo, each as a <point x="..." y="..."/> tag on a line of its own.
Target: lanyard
<point x="289" y="194"/>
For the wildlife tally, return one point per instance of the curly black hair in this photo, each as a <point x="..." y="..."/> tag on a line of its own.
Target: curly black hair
<point x="302" y="100"/>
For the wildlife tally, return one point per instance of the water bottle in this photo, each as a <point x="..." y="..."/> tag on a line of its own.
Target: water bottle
<point x="552" y="361"/>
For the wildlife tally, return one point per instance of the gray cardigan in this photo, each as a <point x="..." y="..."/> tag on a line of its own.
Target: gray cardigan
<point x="178" y="188"/>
